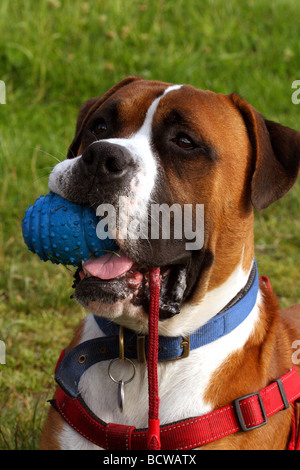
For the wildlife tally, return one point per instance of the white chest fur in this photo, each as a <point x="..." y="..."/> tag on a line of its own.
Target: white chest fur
<point x="182" y="384"/>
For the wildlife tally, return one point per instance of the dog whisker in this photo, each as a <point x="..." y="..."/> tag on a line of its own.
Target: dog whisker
<point x="50" y="155"/>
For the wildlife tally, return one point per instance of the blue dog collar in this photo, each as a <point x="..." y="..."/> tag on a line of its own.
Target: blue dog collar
<point x="88" y="353"/>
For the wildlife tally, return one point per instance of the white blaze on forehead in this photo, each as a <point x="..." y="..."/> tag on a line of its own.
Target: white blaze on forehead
<point x="139" y="145"/>
<point x="147" y="125"/>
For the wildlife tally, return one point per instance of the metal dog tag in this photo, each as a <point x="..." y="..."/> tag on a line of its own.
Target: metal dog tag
<point x="121" y="395"/>
<point x="121" y="383"/>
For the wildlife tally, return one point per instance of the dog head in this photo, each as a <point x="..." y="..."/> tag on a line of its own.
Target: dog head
<point x="148" y="143"/>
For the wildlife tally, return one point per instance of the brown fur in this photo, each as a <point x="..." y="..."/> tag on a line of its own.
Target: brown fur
<point x="266" y="356"/>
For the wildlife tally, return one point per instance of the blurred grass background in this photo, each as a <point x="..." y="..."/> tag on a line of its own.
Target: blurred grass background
<point x="54" y="54"/>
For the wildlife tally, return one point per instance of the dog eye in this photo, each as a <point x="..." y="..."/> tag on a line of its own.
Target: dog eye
<point x="99" y="126"/>
<point x="184" y="142"/>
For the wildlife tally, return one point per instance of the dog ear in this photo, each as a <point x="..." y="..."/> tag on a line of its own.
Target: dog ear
<point x="88" y="108"/>
<point x="83" y="112"/>
<point x="276" y="152"/>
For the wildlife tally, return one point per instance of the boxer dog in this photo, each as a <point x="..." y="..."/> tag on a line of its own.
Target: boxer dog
<point x="155" y="142"/>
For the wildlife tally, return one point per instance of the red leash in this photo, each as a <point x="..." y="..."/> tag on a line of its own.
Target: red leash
<point x="153" y="437"/>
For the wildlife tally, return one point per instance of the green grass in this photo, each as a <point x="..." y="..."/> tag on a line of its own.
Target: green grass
<point x="55" y="54"/>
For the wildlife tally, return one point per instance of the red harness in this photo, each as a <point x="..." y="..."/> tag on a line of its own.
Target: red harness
<point x="244" y="414"/>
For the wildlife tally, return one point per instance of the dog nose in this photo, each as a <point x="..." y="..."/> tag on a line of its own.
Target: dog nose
<point x="109" y="161"/>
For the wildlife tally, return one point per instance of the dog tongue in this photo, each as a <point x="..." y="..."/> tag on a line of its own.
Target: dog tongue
<point x="108" y="266"/>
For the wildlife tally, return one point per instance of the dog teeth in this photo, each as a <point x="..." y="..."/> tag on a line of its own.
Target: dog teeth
<point x="86" y="273"/>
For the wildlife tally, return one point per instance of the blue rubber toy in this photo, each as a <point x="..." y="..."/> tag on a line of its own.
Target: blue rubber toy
<point x="62" y="231"/>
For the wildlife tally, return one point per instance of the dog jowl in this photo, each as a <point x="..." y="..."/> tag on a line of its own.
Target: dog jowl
<point x="147" y="143"/>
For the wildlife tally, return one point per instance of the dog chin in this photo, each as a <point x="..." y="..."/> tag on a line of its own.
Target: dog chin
<point x="121" y="309"/>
